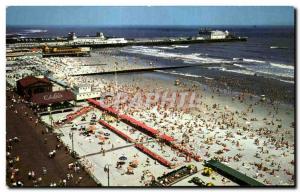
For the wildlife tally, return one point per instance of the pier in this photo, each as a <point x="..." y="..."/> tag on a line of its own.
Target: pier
<point x="38" y="43"/>
<point x="177" y="41"/>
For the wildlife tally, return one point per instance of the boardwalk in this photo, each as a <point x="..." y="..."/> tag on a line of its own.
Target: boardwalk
<point x="33" y="149"/>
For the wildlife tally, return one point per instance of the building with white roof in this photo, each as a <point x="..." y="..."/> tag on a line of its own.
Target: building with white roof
<point x="84" y="91"/>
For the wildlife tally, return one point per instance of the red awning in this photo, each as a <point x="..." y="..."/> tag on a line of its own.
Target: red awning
<point x="52" y="97"/>
<point x="139" y="124"/>
<point x="167" y="138"/>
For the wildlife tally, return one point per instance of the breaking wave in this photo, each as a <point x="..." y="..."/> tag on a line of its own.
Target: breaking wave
<point x="254" y="60"/>
<point x="245" y="66"/>
<point x="187" y="58"/>
<point x="182" y="74"/>
<point x="180" y="46"/>
<point x="282" y="66"/>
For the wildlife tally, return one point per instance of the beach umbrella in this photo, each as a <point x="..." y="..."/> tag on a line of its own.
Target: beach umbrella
<point x="123" y="158"/>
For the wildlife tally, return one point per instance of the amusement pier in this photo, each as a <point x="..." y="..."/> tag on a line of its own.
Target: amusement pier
<point x="98" y="41"/>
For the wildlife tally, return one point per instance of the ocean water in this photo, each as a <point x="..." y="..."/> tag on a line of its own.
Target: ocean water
<point x="258" y="58"/>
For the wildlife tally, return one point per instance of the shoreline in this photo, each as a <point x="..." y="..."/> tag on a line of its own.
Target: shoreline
<point x="235" y="128"/>
<point x="256" y="84"/>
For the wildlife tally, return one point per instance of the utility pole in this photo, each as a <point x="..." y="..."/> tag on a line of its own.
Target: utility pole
<point x="116" y="81"/>
<point x="72" y="137"/>
<point x="108" y="176"/>
<point x="51" y="119"/>
<point x="50" y="115"/>
<point x="106" y="169"/>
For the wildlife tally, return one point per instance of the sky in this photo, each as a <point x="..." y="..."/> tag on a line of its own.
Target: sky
<point x="149" y="15"/>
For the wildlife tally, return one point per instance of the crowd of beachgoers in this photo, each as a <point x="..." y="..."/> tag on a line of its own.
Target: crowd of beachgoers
<point x="247" y="132"/>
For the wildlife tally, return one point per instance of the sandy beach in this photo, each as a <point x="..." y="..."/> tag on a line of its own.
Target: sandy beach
<point x="256" y="132"/>
<point x="247" y="132"/>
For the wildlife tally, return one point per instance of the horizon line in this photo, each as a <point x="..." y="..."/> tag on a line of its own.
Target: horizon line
<point x="232" y="25"/>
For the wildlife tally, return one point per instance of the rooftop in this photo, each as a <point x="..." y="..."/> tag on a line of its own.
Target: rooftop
<point x="52" y="97"/>
<point x="31" y="80"/>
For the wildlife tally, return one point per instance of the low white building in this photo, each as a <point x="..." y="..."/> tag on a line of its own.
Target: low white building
<point x="218" y="34"/>
<point x="98" y="40"/>
<point x="116" y="40"/>
<point x="83" y="96"/>
<point x="83" y="92"/>
<point x="83" y="88"/>
<point x="199" y="38"/>
<point x="208" y="34"/>
<point x="88" y="40"/>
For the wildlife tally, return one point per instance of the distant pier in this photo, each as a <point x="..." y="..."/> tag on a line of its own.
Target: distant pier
<point x="37" y="43"/>
<point x="150" y="42"/>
